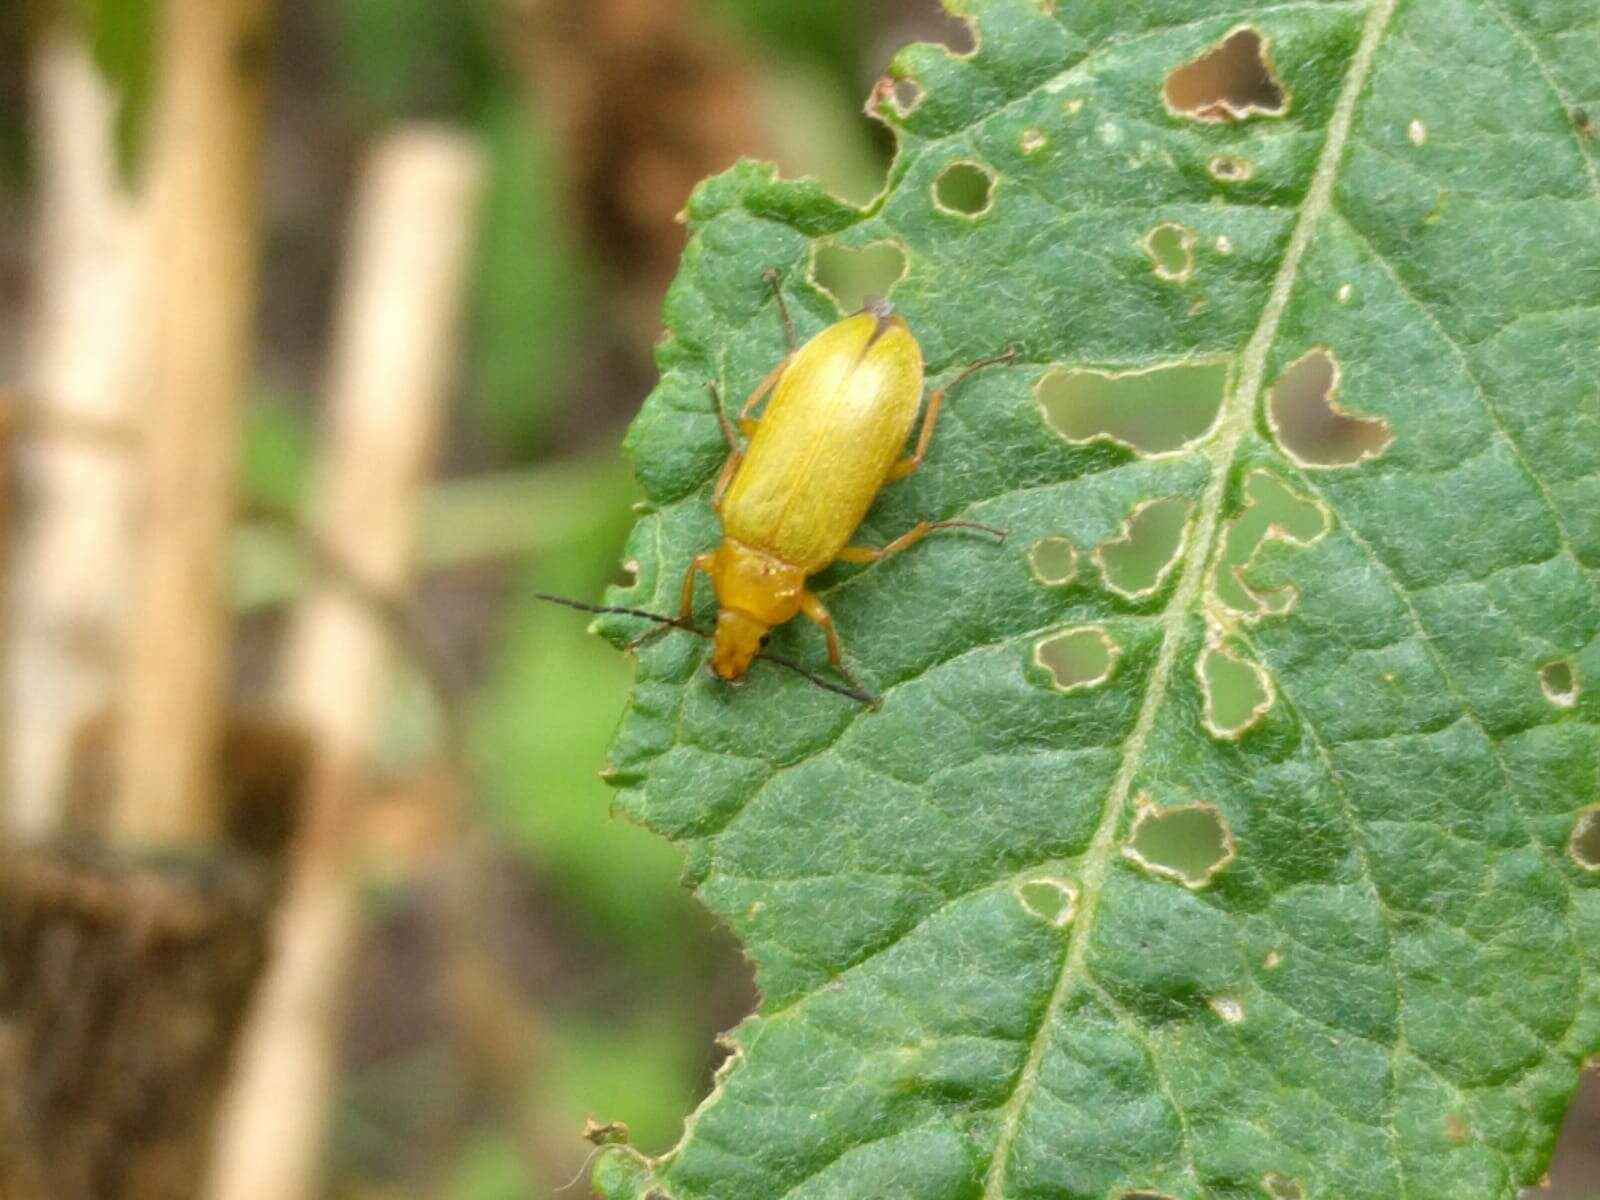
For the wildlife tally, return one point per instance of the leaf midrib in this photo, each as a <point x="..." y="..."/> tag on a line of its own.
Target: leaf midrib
<point x="1235" y="422"/>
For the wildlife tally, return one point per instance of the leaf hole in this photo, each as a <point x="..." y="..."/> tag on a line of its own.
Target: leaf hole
<point x="904" y="95"/>
<point x="1053" y="561"/>
<point x="1237" y="692"/>
<point x="1136" y="564"/>
<point x="1229" y="168"/>
<point x="1053" y="901"/>
<point x="1227" y="1008"/>
<point x="1559" y="683"/>
<point x="1230" y="81"/>
<point x="849" y="275"/>
<point x="956" y="33"/>
<point x="1077" y="659"/>
<point x="1345" y="294"/>
<point x="1309" y="424"/>
<point x="1417" y="132"/>
<point x="1272" y="512"/>
<point x="1156" y="410"/>
<point x="1190" y="843"/>
<point x="964" y="189"/>
<point x="1032" y="140"/>
<point x="1585" y="845"/>
<point x="1171" y="250"/>
<point x="1272" y="961"/>
<point x="1281" y="1187"/>
<point x="1224" y="245"/>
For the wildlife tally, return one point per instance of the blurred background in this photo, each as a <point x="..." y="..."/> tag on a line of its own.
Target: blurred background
<point x="484" y="194"/>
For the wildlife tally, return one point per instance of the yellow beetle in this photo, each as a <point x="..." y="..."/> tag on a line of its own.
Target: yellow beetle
<point x="832" y="434"/>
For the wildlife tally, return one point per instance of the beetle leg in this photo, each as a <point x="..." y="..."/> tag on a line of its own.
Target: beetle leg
<point x="911" y="537"/>
<point x="735" y="457"/>
<point x="818" y="616"/>
<point x="936" y="397"/>
<point x="746" y="422"/>
<point x="700" y="562"/>
<point x="722" y="417"/>
<point x="776" y="280"/>
<point x="735" y="450"/>
<point x="913" y="460"/>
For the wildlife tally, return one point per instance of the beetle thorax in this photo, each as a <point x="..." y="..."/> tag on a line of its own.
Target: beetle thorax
<point x="755" y="592"/>
<point x="756" y="584"/>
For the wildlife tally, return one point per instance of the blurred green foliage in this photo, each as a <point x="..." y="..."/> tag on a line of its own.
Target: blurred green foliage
<point x="13" y="82"/>
<point x="530" y="297"/>
<point x="278" y="446"/>
<point x="400" y="59"/>
<point x="827" y="34"/>
<point x="122" y="35"/>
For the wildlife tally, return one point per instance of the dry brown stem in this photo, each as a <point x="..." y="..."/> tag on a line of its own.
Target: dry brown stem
<point x="204" y="171"/>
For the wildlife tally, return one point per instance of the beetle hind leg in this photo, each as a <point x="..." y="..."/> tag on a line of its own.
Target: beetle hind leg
<point x="930" y="417"/>
<point x="863" y="554"/>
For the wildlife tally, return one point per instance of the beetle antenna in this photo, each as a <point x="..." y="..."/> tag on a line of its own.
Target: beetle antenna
<point x="617" y="610"/>
<point x="1010" y="355"/>
<point x="838" y="689"/>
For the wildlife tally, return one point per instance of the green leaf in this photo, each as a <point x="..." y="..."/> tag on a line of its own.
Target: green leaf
<point x="997" y="958"/>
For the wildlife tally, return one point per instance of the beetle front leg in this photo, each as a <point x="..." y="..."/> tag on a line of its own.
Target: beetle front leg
<point x="861" y="554"/>
<point x="818" y="615"/>
<point x="936" y="397"/>
<point x="700" y="562"/>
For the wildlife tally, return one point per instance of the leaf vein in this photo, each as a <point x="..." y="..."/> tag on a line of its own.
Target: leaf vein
<point x="1235" y="423"/>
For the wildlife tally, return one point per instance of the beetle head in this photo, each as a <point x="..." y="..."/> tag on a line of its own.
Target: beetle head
<point x="736" y="642"/>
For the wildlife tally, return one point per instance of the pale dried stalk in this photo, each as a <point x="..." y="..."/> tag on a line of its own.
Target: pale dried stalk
<point x="69" y="566"/>
<point x="204" y="172"/>
<point x="398" y="313"/>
